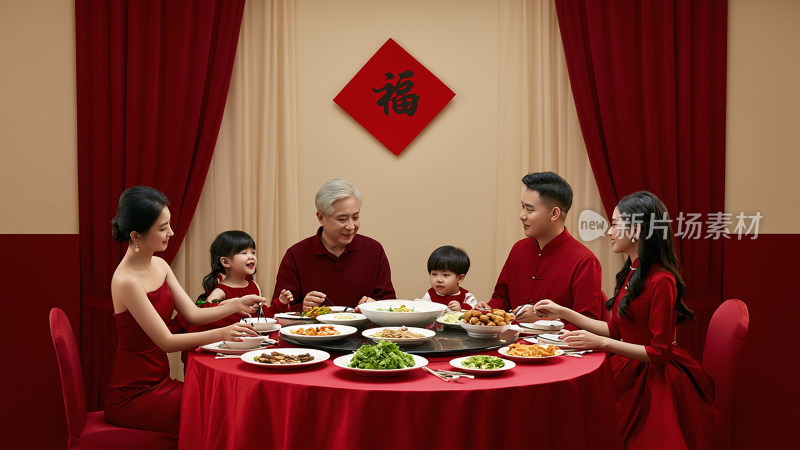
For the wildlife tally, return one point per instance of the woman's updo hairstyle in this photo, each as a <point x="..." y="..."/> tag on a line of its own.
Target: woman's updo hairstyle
<point x="138" y="209"/>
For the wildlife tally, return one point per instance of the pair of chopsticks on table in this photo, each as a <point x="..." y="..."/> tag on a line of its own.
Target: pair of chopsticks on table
<point x="446" y="375"/>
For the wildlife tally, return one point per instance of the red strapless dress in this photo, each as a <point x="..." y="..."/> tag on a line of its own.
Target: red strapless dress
<point x="141" y="394"/>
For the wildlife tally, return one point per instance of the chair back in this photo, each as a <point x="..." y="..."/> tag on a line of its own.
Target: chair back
<point x="726" y="333"/>
<point x="69" y="364"/>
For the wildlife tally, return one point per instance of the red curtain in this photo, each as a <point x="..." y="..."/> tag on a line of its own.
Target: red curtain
<point x="648" y="79"/>
<point x="152" y="80"/>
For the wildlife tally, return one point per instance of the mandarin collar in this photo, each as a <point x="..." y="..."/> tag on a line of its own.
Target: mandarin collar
<point x="556" y="243"/>
<point x="635" y="264"/>
<point x="318" y="248"/>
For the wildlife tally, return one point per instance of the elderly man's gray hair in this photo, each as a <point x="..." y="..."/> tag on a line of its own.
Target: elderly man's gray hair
<point x="333" y="190"/>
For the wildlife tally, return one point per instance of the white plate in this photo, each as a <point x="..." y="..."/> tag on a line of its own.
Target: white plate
<point x="533" y="359"/>
<point x="426" y="335"/>
<point x="318" y="355"/>
<point x="357" y="319"/>
<point x="545" y="326"/>
<point x="343" y="330"/>
<point x="457" y="364"/>
<point x="552" y="339"/>
<point x="215" y="348"/>
<point x="344" y="360"/>
<point x="286" y="319"/>
<point x="450" y="324"/>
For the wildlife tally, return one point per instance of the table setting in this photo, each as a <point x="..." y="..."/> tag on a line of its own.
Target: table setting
<point x="358" y="372"/>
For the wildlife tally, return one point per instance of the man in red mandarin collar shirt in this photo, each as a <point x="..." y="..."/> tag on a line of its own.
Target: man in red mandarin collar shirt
<point x="336" y="266"/>
<point x="549" y="263"/>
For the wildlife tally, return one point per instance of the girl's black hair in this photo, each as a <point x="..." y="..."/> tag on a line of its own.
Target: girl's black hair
<point x="225" y="245"/>
<point x="449" y="258"/>
<point x="656" y="246"/>
<point x="138" y="209"/>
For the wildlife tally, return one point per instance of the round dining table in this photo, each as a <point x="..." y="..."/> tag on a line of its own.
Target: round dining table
<point x="559" y="404"/>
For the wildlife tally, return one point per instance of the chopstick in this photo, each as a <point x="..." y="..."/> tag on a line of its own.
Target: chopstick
<point x="437" y="375"/>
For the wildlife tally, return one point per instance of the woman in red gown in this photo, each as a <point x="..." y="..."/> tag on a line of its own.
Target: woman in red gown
<point x="144" y="292"/>
<point x="665" y="400"/>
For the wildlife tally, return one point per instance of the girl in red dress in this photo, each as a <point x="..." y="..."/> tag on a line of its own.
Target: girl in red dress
<point x="145" y="292"/>
<point x="233" y="264"/>
<point x="665" y="400"/>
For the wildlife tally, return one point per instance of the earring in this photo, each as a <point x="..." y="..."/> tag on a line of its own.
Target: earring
<point x="136" y="249"/>
<point x="633" y="239"/>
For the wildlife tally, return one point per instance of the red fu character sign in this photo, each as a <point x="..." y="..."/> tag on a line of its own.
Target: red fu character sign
<point x="403" y="102"/>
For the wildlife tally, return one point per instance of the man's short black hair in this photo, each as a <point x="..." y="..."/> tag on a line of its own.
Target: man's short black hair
<point x="449" y="258"/>
<point x="550" y="187"/>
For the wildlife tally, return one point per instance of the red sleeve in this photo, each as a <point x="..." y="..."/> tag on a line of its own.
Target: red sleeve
<point x="383" y="280"/>
<point x="662" y="319"/>
<point x="500" y="296"/>
<point x="613" y="329"/>
<point x="587" y="289"/>
<point x="287" y="278"/>
<point x="275" y="307"/>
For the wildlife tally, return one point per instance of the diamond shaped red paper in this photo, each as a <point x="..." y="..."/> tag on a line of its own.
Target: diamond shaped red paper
<point x="394" y="97"/>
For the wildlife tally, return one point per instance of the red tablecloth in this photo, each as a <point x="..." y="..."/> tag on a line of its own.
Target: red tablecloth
<point x="563" y="404"/>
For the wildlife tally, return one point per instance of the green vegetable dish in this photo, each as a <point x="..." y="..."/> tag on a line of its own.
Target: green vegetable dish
<point x="385" y="355"/>
<point x="483" y="362"/>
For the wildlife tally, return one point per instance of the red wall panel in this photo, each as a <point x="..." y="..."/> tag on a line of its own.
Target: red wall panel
<point x="39" y="272"/>
<point x="761" y="272"/>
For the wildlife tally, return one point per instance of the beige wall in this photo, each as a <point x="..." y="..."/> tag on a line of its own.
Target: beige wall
<point x="763" y="148"/>
<point x="38" y="168"/>
<point x="38" y="137"/>
<point x="438" y="191"/>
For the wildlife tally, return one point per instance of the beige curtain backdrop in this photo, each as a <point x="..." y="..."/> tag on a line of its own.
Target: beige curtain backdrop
<point x="539" y="129"/>
<point x="251" y="184"/>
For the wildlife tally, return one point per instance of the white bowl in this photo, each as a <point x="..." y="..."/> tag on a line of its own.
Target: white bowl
<point x="482" y="331"/>
<point x="262" y="323"/>
<point x="340" y="318"/>
<point x="424" y="312"/>
<point x="246" y="342"/>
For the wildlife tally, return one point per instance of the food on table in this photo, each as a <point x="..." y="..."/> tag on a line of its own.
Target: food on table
<point x="401" y="308"/>
<point x="495" y="318"/>
<point x="452" y="317"/>
<point x="397" y="333"/>
<point x="326" y="330"/>
<point x="344" y="316"/>
<point x="386" y="355"/>
<point x="281" y="358"/>
<point x="316" y="311"/>
<point x="532" y="350"/>
<point x="483" y="362"/>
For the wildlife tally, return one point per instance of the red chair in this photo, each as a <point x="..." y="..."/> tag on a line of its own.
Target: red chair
<point x="726" y="333"/>
<point x="90" y="430"/>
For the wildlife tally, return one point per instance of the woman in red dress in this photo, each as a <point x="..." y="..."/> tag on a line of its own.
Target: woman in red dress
<point x="144" y="292"/>
<point x="665" y="400"/>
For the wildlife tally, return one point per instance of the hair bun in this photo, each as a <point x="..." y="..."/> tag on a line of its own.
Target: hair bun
<point x="116" y="233"/>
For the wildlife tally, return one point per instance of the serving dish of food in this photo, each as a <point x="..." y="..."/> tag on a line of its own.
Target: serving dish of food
<point x="399" y="335"/>
<point x="317" y="332"/>
<point x="384" y="359"/>
<point x="530" y="352"/>
<point x="285" y="358"/>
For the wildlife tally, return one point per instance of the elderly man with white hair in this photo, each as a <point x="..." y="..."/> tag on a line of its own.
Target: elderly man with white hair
<point x="337" y="266"/>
